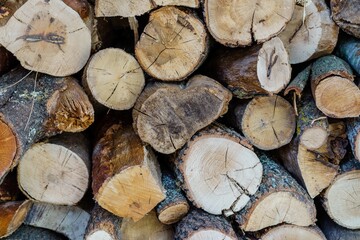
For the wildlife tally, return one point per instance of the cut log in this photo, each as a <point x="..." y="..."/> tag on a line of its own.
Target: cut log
<point x="251" y="71"/>
<point x="46" y="38"/>
<point x="12" y="216"/>
<point x="35" y="106"/>
<point x="34" y="233"/>
<point x="348" y="49"/>
<point x="294" y="233"/>
<point x="173" y="44"/>
<point x="126" y="174"/>
<point x="299" y="83"/>
<point x="240" y="23"/>
<point x="198" y="225"/>
<point x="148" y="227"/>
<point x="344" y="13"/>
<point x="123" y="8"/>
<point x="353" y="133"/>
<point x="114" y="78"/>
<point x="70" y="221"/>
<point x="333" y="231"/>
<point x="103" y="225"/>
<point x="268" y="122"/>
<point x="311" y="33"/>
<point x="175" y="206"/>
<point x="9" y="190"/>
<point x="57" y="170"/>
<point x="280" y="199"/>
<point x="331" y="78"/>
<point x="185" y="3"/>
<point x="167" y="116"/>
<point x="216" y="162"/>
<point x="344" y="210"/>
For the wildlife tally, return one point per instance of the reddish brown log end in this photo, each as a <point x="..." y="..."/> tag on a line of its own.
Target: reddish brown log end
<point x="8" y="148"/>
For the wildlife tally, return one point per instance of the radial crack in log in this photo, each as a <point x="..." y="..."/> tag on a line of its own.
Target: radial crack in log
<point x="44" y="35"/>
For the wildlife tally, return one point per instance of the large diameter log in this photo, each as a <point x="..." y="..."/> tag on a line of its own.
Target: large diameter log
<point x="268" y="122"/>
<point x="252" y="71"/>
<point x="12" y="216"/>
<point x="311" y="33"/>
<point x="173" y="44"/>
<point x="331" y="78"/>
<point x="348" y="49"/>
<point x="198" y="225"/>
<point x="114" y="78"/>
<point x="34" y="233"/>
<point x="123" y="8"/>
<point x="126" y="175"/>
<point x="70" y="221"/>
<point x="56" y="171"/>
<point x="34" y="106"/>
<point x="344" y="210"/>
<point x="280" y="199"/>
<point x="353" y="133"/>
<point x="103" y="225"/>
<point x="185" y="3"/>
<point x="216" y="162"/>
<point x="240" y="23"/>
<point x="149" y="227"/>
<point x="345" y="14"/>
<point x="167" y="116"/>
<point x="293" y="232"/>
<point x="46" y="38"/>
<point x="175" y="206"/>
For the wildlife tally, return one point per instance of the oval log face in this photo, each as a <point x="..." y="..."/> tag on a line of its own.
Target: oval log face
<point x="50" y="38"/>
<point x="8" y="148"/>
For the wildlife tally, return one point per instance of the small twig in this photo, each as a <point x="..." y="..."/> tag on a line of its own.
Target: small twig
<point x="33" y="102"/>
<point x="318" y="119"/>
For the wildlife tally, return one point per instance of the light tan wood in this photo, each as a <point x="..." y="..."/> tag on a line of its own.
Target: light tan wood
<point x="148" y="227"/>
<point x="293" y="232"/>
<point x="172" y="45"/>
<point x="186" y="3"/>
<point x="240" y="23"/>
<point x="114" y="78"/>
<point x="311" y="33"/>
<point x="44" y="36"/>
<point x="123" y="8"/>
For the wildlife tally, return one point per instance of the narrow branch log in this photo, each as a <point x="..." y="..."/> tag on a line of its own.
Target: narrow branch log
<point x="240" y="23"/>
<point x="310" y="36"/>
<point x="344" y="210"/>
<point x="103" y="225"/>
<point x="167" y="116"/>
<point x="294" y="233"/>
<point x="344" y="13"/>
<point x="12" y="216"/>
<point x="199" y="225"/>
<point x="70" y="221"/>
<point x="57" y="170"/>
<point x="126" y="174"/>
<point x="280" y="199"/>
<point x="173" y="44"/>
<point x="267" y="122"/>
<point x="331" y="78"/>
<point x="114" y="78"/>
<point x="34" y="233"/>
<point x="298" y="84"/>
<point x="35" y="106"/>
<point x="175" y="206"/>
<point x="148" y="227"/>
<point x="217" y="162"/>
<point x="123" y="8"/>
<point x="46" y="38"/>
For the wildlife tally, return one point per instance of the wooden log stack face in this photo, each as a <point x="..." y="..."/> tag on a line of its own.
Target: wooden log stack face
<point x="215" y="119"/>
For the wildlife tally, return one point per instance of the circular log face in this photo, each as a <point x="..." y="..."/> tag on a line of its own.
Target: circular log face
<point x="52" y="173"/>
<point x="342" y="202"/>
<point x="99" y="235"/>
<point x="292" y="232"/>
<point x="229" y="174"/>
<point x="173" y="214"/>
<point x="173" y="44"/>
<point x="115" y="78"/>
<point x="8" y="148"/>
<point x="209" y="235"/>
<point x="269" y="122"/>
<point x="49" y="37"/>
<point x="240" y="22"/>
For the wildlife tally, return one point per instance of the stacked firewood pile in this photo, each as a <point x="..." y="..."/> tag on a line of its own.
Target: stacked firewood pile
<point x="179" y="119"/>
